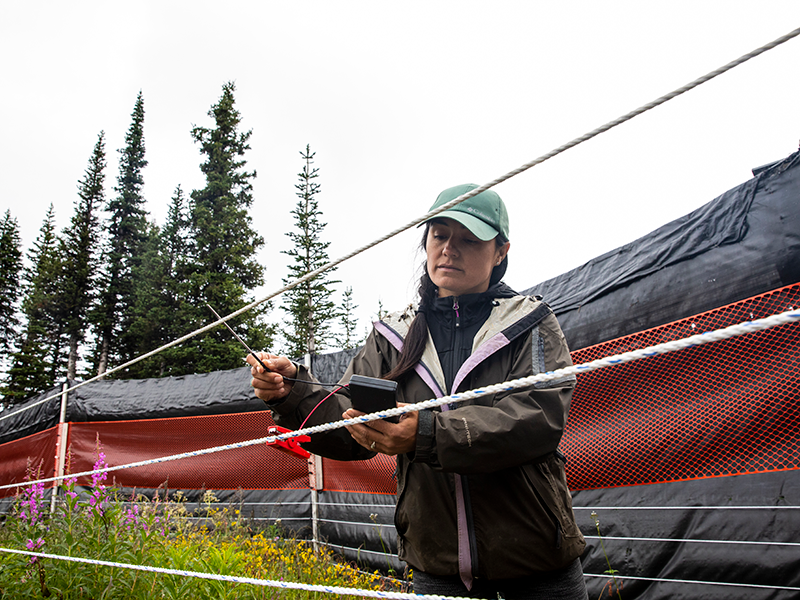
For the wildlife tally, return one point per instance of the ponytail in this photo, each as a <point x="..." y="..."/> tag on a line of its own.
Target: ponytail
<point x="417" y="336"/>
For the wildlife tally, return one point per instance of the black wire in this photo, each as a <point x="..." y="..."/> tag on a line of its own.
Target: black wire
<point x="325" y="385"/>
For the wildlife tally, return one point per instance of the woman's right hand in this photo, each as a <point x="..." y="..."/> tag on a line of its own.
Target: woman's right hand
<point x="269" y="385"/>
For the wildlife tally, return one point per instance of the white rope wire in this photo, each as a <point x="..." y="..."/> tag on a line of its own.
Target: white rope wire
<point x="352" y="591"/>
<point x="722" y="583"/>
<point x="482" y="188"/>
<point x="327" y="589"/>
<point x="692" y="541"/>
<point x="685" y="508"/>
<point x="697" y="340"/>
<point x="700" y="339"/>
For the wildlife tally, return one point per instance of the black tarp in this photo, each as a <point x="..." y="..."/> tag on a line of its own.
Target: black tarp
<point x="745" y="527"/>
<point x="22" y="421"/>
<point x="743" y="243"/>
<point x="216" y="393"/>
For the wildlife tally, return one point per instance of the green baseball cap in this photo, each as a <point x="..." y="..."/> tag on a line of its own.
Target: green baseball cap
<point x="484" y="215"/>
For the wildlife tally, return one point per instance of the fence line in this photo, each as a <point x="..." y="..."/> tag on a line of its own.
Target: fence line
<point x="482" y="188"/>
<point x="792" y="316"/>
<point x="685" y="507"/>
<point x="354" y="591"/>
<point x="697" y="581"/>
<point x="691" y="540"/>
<point x="708" y="337"/>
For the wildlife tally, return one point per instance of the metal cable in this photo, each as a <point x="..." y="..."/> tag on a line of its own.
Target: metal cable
<point x="708" y="337"/>
<point x="482" y="188"/>
<point x="722" y="583"/>
<point x="684" y="508"/>
<point x="691" y="540"/>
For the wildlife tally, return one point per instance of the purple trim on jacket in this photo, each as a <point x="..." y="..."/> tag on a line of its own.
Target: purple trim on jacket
<point x="486" y="349"/>
<point x="464" y="556"/>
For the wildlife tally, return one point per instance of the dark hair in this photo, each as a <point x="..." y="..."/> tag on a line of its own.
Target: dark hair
<point x="417" y="336"/>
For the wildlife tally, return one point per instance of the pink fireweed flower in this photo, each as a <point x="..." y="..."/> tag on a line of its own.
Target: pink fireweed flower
<point x="98" y="495"/>
<point x="96" y="502"/>
<point x="31" y="504"/>
<point x="100" y="463"/>
<point x="132" y="517"/>
<point x="69" y="487"/>
<point x="33" y="547"/>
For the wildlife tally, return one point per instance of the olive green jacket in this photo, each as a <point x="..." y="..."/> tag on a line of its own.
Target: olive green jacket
<point x="485" y="491"/>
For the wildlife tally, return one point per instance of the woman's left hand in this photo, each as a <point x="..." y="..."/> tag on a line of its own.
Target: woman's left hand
<point x="383" y="436"/>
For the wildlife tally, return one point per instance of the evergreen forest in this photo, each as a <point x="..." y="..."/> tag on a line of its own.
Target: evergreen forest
<point x="114" y="285"/>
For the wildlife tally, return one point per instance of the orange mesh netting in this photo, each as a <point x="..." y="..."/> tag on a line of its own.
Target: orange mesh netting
<point x="36" y="451"/>
<point x="725" y="408"/>
<point x="253" y="467"/>
<point x="374" y="476"/>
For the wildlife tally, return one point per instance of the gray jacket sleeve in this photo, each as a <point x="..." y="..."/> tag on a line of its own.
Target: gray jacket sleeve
<point x="307" y="397"/>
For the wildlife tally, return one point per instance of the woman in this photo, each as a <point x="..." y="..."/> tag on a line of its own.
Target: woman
<point x="482" y="502"/>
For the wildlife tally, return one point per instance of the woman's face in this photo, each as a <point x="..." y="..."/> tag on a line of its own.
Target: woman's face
<point x="458" y="262"/>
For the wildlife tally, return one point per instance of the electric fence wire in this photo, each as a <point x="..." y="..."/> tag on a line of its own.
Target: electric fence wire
<point x="339" y="590"/>
<point x="697" y="581"/>
<point x="354" y="591"/>
<point x="784" y="318"/>
<point x="685" y="508"/>
<point x="692" y="541"/>
<point x="732" y="331"/>
<point x="482" y="188"/>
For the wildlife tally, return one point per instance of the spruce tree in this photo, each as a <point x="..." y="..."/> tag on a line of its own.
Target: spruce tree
<point x="78" y="247"/>
<point x="309" y="305"/>
<point x="348" y="322"/>
<point x="224" y="269"/>
<point x="126" y="232"/>
<point x="35" y="365"/>
<point x="10" y="271"/>
<point x="159" y="292"/>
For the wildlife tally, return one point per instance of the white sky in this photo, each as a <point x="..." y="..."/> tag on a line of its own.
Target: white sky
<point x="399" y="101"/>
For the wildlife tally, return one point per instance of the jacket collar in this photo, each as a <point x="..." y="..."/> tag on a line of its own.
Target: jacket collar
<point x="510" y="317"/>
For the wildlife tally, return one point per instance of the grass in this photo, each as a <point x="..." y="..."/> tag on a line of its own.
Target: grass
<point x="613" y="584"/>
<point x="157" y="532"/>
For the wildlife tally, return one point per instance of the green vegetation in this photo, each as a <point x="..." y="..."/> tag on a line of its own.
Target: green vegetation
<point x="35" y="362"/>
<point x="10" y="268"/>
<point x="613" y="585"/>
<point x="127" y="225"/>
<point x="114" y="285"/>
<point x="159" y="533"/>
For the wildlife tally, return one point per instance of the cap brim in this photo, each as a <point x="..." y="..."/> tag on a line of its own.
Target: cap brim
<point x="479" y="229"/>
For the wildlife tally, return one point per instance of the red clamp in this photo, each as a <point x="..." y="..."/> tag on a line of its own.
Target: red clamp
<point x="292" y="445"/>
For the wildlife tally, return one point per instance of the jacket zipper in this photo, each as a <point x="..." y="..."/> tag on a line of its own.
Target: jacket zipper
<point x="455" y="343"/>
<point x="473" y="545"/>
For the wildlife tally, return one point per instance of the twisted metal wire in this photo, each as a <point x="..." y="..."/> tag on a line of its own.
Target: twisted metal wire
<point x="482" y="188"/>
<point x="696" y="340"/>
<point x="792" y="316"/>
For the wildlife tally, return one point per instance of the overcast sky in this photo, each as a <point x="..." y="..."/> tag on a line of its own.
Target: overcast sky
<point x="399" y="101"/>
